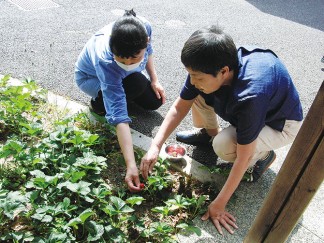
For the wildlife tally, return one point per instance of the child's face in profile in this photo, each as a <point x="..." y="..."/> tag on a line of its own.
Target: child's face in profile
<point x="131" y="60"/>
<point x="206" y="83"/>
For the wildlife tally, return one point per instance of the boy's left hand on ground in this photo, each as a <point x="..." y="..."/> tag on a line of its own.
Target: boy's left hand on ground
<point x="132" y="180"/>
<point x="220" y="218"/>
<point x="159" y="91"/>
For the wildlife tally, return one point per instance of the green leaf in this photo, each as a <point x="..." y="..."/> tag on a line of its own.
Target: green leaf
<point x="189" y="228"/>
<point x="95" y="231"/>
<point x="6" y="78"/>
<point x="110" y="210"/>
<point x="160" y="227"/>
<point x="200" y="201"/>
<point x="38" y="173"/>
<point x="163" y="210"/>
<point x="3" y="193"/>
<point x="14" y="203"/>
<point x="77" y="175"/>
<point x="76" y="140"/>
<point x="117" y="202"/>
<point x="120" y="205"/>
<point x="74" y="223"/>
<point x="92" y="139"/>
<point x="88" y="199"/>
<point x="17" y="236"/>
<point x="135" y="200"/>
<point x="66" y="203"/>
<point x="31" y="129"/>
<point x="12" y="147"/>
<point x="80" y="219"/>
<point x="127" y="209"/>
<point x="64" y="207"/>
<point x="101" y="192"/>
<point x="47" y="219"/>
<point x="81" y="187"/>
<point x="57" y="237"/>
<point x="91" y="162"/>
<point x="86" y="214"/>
<point x="32" y="195"/>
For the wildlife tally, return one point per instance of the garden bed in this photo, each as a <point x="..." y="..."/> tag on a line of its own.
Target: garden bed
<point x="62" y="180"/>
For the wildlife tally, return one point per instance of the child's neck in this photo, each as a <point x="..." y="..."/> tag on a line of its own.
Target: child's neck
<point x="229" y="78"/>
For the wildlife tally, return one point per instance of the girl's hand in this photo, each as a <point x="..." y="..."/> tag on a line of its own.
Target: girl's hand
<point x="132" y="179"/>
<point x="159" y="91"/>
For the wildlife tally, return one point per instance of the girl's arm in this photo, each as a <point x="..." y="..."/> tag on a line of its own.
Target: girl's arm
<point x="126" y="144"/>
<point x="157" y="87"/>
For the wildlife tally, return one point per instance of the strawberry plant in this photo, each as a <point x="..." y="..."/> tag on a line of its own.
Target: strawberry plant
<point x="61" y="180"/>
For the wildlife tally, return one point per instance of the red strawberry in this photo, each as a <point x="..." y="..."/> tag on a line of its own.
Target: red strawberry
<point x="142" y="185"/>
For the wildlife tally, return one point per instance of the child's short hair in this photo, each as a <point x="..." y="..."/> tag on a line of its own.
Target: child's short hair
<point x="128" y="35"/>
<point x="208" y="50"/>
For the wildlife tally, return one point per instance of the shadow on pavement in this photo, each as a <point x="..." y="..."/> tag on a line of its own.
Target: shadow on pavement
<point x="204" y="155"/>
<point x="144" y="121"/>
<point x="300" y="11"/>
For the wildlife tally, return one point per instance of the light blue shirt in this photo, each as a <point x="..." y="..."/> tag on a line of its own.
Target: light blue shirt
<point x="96" y="59"/>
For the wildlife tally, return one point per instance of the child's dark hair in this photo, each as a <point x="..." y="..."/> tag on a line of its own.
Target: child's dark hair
<point x="128" y="35"/>
<point x="208" y="50"/>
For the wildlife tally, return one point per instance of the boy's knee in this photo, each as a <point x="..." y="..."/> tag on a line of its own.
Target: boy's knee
<point x="217" y="146"/>
<point x="224" y="148"/>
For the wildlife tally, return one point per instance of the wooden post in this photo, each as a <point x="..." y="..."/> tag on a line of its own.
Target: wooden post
<point x="297" y="182"/>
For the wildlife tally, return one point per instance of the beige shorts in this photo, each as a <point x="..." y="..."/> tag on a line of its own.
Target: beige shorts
<point x="225" y="142"/>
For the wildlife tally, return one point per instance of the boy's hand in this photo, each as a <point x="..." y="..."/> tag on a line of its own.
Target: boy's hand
<point x="132" y="179"/>
<point x="220" y="218"/>
<point x="148" y="161"/>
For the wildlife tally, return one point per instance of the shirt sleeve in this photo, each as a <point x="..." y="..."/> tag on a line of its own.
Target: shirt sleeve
<point x="113" y="94"/>
<point x="149" y="33"/>
<point x="188" y="91"/>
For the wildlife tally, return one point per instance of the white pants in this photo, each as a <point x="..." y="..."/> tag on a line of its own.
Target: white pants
<point x="225" y="142"/>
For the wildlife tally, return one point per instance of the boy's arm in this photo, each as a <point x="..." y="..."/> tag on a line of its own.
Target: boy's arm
<point x="216" y="210"/>
<point x="175" y="115"/>
<point x="156" y="86"/>
<point x="126" y="144"/>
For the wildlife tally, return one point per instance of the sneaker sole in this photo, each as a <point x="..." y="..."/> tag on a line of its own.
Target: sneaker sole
<point x="273" y="159"/>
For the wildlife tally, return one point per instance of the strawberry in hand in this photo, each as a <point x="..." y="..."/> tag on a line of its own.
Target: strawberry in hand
<point x="142" y="186"/>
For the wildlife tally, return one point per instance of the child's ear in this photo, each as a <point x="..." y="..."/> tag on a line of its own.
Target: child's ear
<point x="225" y="70"/>
<point x="148" y="39"/>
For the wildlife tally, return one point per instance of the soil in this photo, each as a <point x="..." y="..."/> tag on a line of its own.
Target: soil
<point x="182" y="185"/>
